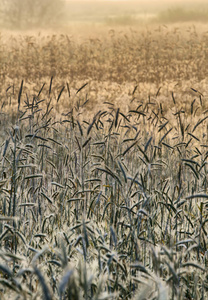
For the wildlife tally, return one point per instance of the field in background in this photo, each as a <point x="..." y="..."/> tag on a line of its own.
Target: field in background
<point x="136" y="12"/>
<point x="172" y="58"/>
<point x="63" y="13"/>
<point x="103" y="152"/>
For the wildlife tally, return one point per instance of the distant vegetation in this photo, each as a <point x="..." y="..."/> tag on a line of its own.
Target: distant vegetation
<point x="170" y="15"/>
<point x="180" y="14"/>
<point x="29" y="14"/>
<point x="124" y="20"/>
<point x="23" y="14"/>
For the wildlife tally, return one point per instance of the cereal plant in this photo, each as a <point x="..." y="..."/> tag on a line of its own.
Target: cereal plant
<point x="103" y="164"/>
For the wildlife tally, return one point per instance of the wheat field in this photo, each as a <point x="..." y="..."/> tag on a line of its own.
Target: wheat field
<point x="103" y="142"/>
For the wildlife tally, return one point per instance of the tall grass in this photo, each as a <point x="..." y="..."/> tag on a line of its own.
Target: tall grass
<point x="155" y="54"/>
<point x="112" y="205"/>
<point x="103" y="175"/>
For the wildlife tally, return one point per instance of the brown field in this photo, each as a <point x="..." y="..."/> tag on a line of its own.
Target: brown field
<point x="103" y="152"/>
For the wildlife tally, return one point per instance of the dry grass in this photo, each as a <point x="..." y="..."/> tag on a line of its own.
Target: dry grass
<point x="155" y="55"/>
<point x="103" y="189"/>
